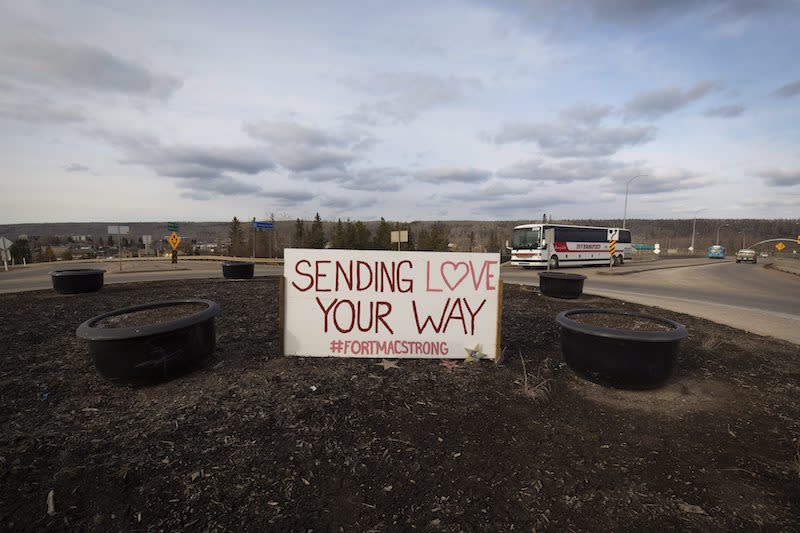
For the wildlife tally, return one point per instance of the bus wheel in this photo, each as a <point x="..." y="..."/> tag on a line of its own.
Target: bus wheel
<point x="553" y="261"/>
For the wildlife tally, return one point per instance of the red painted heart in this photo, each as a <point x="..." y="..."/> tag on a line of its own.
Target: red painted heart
<point x="453" y="268"/>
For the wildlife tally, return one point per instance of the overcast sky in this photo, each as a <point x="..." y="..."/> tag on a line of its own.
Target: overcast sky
<point x="407" y="110"/>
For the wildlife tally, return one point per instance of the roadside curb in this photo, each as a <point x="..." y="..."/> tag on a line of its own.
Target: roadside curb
<point x="781" y="268"/>
<point x="626" y="272"/>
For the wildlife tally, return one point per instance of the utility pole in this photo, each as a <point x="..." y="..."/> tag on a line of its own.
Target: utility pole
<point x="625" y="213"/>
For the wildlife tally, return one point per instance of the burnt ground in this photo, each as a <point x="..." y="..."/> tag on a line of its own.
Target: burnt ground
<point x="257" y="442"/>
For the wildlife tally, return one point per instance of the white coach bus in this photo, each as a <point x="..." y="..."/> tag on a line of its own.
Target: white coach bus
<point x="534" y="245"/>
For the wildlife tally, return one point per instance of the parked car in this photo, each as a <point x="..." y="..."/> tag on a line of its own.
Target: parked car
<point x="746" y="255"/>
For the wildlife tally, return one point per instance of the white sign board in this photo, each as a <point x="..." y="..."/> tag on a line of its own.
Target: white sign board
<point x="348" y="303"/>
<point x="613" y="234"/>
<point x="118" y="230"/>
<point x="5" y="244"/>
<point x="400" y="236"/>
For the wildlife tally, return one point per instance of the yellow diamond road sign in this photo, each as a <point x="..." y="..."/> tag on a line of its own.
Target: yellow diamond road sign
<point x="174" y="240"/>
<point x="780" y="246"/>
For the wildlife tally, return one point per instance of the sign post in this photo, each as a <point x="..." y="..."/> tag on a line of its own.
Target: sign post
<point x="613" y="237"/>
<point x="348" y="303"/>
<point x="174" y="240"/>
<point x="399" y="236"/>
<point x="256" y="226"/>
<point x="5" y="249"/>
<point x="119" y="231"/>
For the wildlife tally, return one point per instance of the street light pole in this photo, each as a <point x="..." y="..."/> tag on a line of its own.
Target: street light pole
<point x="719" y="228"/>
<point x="625" y="213"/>
<point x="694" y="226"/>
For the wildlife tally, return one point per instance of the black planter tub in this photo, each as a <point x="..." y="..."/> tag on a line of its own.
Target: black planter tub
<point x="158" y="348"/>
<point x="561" y="284"/>
<point x="238" y="270"/>
<point x="77" y="280"/>
<point x="620" y="356"/>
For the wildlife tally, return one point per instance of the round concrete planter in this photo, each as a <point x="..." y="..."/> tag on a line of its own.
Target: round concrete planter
<point x="561" y="284"/>
<point x="154" y="352"/>
<point x="238" y="270"/>
<point x="620" y="357"/>
<point x="77" y="280"/>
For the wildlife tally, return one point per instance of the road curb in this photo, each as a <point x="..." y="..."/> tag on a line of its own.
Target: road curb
<point x="626" y="272"/>
<point x="781" y="268"/>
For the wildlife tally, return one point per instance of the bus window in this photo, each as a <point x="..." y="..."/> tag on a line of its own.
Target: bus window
<point x="526" y="238"/>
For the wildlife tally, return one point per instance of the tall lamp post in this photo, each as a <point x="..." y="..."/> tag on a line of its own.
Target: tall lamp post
<point x="625" y="213"/>
<point x="694" y="227"/>
<point x="719" y="228"/>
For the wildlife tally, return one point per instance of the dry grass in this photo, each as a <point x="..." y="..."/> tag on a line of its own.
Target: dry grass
<point x="543" y="388"/>
<point x="796" y="462"/>
<point x="711" y="343"/>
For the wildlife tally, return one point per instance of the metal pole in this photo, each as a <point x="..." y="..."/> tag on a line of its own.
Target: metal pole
<point x="254" y="237"/>
<point x="694" y="225"/>
<point x="625" y="213"/>
<point x="119" y="247"/>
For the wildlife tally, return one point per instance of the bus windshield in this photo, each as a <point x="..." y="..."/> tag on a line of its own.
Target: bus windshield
<point x="526" y="238"/>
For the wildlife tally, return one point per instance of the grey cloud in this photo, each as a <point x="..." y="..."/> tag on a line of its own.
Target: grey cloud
<point x="562" y="139"/>
<point x="661" y="181"/>
<point x="76" y="167"/>
<point x="589" y="114"/>
<point x="365" y="179"/>
<point x="453" y="174"/>
<point x="780" y="177"/>
<point x="346" y="202"/>
<point x="202" y="169"/>
<point x="305" y="158"/>
<point x="32" y="57"/>
<point x="285" y="133"/>
<point x="654" y="104"/>
<point x="494" y="190"/>
<point x="725" y="111"/>
<point x="302" y="148"/>
<point x="635" y="13"/>
<point x="403" y="96"/>
<point x="564" y="171"/>
<point x="789" y="90"/>
<point x="26" y="106"/>
<point x="523" y="205"/>
<point x="386" y="179"/>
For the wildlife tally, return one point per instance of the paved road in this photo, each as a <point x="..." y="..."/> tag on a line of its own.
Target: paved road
<point x="744" y="296"/>
<point x="37" y="275"/>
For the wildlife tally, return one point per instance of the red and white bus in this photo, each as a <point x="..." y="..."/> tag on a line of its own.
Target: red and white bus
<point x="536" y="245"/>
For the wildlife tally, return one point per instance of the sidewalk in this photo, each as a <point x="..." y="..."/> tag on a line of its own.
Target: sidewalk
<point x="790" y="266"/>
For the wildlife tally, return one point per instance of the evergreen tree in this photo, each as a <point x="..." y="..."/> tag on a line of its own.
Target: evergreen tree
<point x="361" y="237"/>
<point x="339" y="236"/>
<point x="236" y="236"/>
<point x="349" y="235"/>
<point x="110" y="240"/>
<point x="316" y="237"/>
<point x="299" y="239"/>
<point x="436" y="239"/>
<point x="471" y="241"/>
<point x="383" y="236"/>
<point x="494" y="243"/>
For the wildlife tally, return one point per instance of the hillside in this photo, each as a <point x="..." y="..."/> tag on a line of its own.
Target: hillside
<point x="464" y="234"/>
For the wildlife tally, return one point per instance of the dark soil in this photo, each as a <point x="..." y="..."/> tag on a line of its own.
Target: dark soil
<point x="616" y="321"/>
<point x="257" y="442"/>
<point x="149" y="317"/>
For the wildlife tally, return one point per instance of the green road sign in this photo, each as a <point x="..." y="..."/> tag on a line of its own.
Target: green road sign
<point x="172" y="226"/>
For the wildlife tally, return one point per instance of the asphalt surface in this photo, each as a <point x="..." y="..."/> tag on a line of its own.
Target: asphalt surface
<point x="744" y="296"/>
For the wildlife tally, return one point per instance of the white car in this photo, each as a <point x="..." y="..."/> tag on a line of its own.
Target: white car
<point x="746" y="255"/>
